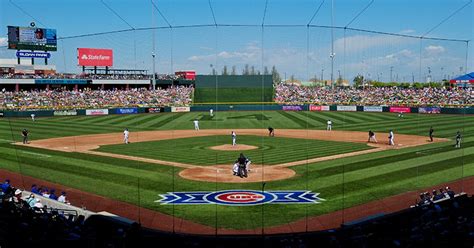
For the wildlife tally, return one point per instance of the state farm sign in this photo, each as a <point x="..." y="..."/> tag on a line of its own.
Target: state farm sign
<point x="95" y="57"/>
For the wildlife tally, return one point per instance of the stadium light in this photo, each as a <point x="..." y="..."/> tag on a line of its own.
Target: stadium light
<point x="153" y="55"/>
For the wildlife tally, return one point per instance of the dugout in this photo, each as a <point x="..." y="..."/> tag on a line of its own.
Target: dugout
<point x="233" y="88"/>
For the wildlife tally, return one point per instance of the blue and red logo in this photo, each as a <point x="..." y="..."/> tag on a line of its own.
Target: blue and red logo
<point x="240" y="197"/>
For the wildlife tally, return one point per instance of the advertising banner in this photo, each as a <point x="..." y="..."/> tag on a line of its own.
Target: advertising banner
<point x="346" y="108"/>
<point x="64" y="112"/>
<point x="97" y="111"/>
<point x="1" y="114"/>
<point x="154" y="110"/>
<point x="122" y="111"/>
<point x="180" y="109"/>
<point x="292" y="108"/>
<point x="400" y="109"/>
<point x="373" y="108"/>
<point x="41" y="55"/>
<point x="95" y="57"/>
<point x="60" y="81"/>
<point x="318" y="108"/>
<point x="429" y="110"/>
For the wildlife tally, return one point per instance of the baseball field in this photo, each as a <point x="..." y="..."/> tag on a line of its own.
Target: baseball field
<point x="166" y="154"/>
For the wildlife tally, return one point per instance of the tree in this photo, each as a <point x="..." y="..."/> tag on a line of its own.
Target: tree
<point x="339" y="81"/>
<point x="224" y="71"/>
<point x="358" y="81"/>
<point x="275" y="75"/>
<point x="252" y="70"/>
<point x="214" y="72"/>
<point x="246" y="70"/>
<point x="265" y="71"/>
<point x="234" y="70"/>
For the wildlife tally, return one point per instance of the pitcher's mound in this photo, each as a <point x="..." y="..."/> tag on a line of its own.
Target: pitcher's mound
<point x="237" y="147"/>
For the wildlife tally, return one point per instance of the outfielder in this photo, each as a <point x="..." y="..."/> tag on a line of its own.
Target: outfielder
<point x="33" y="117"/>
<point x="211" y="112"/>
<point x="458" y="140"/>
<point x="196" y="124"/>
<point x="125" y="135"/>
<point x="329" y="126"/>
<point x="234" y="138"/>
<point x="390" y="138"/>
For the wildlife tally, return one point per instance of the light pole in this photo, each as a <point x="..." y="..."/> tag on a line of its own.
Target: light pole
<point x="339" y="76"/>
<point x="332" y="67"/>
<point x="391" y="71"/>
<point x="154" y="74"/>
<point x="322" y="76"/>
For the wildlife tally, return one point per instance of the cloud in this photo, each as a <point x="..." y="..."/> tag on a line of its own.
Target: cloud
<point x="3" y="41"/>
<point x="247" y="54"/>
<point x="434" y="50"/>
<point x="359" y="43"/>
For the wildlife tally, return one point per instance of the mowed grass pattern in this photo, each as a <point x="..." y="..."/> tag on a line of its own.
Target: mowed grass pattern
<point x="271" y="150"/>
<point x="342" y="182"/>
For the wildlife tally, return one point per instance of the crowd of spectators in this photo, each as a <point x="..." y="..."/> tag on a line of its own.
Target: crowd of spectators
<point x="87" y="98"/>
<point x="121" y="76"/>
<point x="292" y="93"/>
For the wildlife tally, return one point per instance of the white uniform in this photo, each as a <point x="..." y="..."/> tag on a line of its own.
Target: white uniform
<point x="390" y="138"/>
<point x="235" y="169"/>
<point x="33" y="117"/>
<point x="196" y="125"/>
<point x="234" y="138"/>
<point x="125" y="136"/>
<point x="247" y="165"/>
<point x="211" y="112"/>
<point x="329" y="127"/>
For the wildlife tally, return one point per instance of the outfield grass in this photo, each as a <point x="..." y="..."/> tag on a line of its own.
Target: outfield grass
<point x="271" y="150"/>
<point x="366" y="177"/>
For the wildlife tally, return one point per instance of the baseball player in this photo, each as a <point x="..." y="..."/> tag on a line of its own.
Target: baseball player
<point x="372" y="137"/>
<point x="247" y="164"/>
<point x="196" y="124"/>
<point x="458" y="140"/>
<point x="241" y="161"/>
<point x="329" y="126"/>
<point x="271" y="131"/>
<point x="431" y="134"/>
<point x="234" y="138"/>
<point x="25" y="133"/>
<point x="235" y="169"/>
<point x="33" y="117"/>
<point x="125" y="135"/>
<point x="211" y="112"/>
<point x="400" y="114"/>
<point x="390" y="138"/>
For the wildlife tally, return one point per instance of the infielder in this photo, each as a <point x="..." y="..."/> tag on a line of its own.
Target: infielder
<point x="33" y="117"/>
<point x="458" y="140"/>
<point x="125" y="135"/>
<point x="271" y="131"/>
<point x="234" y="138"/>
<point x="329" y="126"/>
<point x="211" y="112"/>
<point x="372" y="137"/>
<point x="390" y="138"/>
<point x="431" y="134"/>
<point x="196" y="124"/>
<point x="25" y="133"/>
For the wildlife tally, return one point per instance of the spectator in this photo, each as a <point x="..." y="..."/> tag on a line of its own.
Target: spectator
<point x="62" y="198"/>
<point x="52" y="195"/>
<point x="6" y="186"/>
<point x="34" y="189"/>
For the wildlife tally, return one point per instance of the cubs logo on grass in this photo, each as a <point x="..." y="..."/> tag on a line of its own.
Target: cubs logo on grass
<point x="240" y="197"/>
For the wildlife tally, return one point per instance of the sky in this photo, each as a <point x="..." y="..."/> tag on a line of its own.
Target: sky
<point x="298" y="50"/>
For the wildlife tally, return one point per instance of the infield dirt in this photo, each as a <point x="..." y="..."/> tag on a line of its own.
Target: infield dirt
<point x="222" y="173"/>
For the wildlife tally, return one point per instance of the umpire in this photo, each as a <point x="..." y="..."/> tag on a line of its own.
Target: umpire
<point x="242" y="160"/>
<point x="25" y="133"/>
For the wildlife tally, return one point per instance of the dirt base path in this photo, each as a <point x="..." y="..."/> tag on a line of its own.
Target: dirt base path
<point x="156" y="220"/>
<point x="223" y="173"/>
